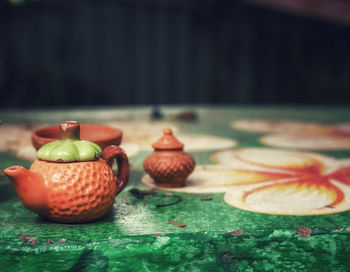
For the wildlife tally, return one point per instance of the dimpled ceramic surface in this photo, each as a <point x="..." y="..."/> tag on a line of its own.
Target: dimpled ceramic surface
<point x="79" y="192"/>
<point x="170" y="169"/>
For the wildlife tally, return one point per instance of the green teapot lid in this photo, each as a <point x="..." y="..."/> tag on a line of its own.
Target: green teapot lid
<point x="69" y="148"/>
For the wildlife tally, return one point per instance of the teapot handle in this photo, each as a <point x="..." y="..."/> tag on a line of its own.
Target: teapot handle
<point x="111" y="152"/>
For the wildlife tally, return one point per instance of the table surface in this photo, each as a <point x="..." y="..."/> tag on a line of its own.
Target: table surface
<point x="270" y="192"/>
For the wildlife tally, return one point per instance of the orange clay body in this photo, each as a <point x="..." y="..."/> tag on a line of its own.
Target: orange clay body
<point x="80" y="191"/>
<point x="169" y="165"/>
<point x="68" y="192"/>
<point x="71" y="192"/>
<point x="169" y="168"/>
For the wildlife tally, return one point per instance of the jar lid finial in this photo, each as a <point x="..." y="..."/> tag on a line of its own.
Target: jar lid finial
<point x="168" y="141"/>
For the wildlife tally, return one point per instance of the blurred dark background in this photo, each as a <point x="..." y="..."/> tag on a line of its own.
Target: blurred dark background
<point x="117" y="52"/>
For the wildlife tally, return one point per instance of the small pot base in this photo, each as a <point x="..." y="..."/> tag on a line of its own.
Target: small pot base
<point x="170" y="184"/>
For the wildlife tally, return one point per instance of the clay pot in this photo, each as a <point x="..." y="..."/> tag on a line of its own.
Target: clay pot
<point x="169" y="165"/>
<point x="99" y="134"/>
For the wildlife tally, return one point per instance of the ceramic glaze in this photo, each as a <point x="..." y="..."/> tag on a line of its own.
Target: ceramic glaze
<point x="169" y="165"/>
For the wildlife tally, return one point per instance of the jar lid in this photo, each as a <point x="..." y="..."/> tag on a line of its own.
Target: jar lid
<point x="168" y="141"/>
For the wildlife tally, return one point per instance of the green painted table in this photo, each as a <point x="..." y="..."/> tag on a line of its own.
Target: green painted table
<point x="269" y="193"/>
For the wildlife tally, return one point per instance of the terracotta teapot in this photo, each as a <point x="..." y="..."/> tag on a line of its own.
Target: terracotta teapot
<point x="72" y="180"/>
<point x="169" y="165"/>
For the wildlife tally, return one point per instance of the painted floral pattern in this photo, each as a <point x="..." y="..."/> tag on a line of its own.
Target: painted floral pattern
<point x="141" y="136"/>
<point x="137" y="136"/>
<point x="297" y="134"/>
<point x="275" y="181"/>
<point x="296" y="183"/>
<point x="14" y="136"/>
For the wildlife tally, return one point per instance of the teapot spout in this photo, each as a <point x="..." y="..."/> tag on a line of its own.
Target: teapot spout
<point x="29" y="186"/>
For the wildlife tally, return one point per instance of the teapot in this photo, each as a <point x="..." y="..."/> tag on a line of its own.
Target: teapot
<point x="71" y="181"/>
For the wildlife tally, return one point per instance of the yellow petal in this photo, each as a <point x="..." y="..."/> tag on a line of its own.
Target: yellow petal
<point x="216" y="178"/>
<point x="265" y="157"/>
<point x="317" y="142"/>
<point x="280" y="126"/>
<point x="288" y="198"/>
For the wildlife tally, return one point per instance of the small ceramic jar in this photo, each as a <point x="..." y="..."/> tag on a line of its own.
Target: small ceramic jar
<point x="169" y="165"/>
